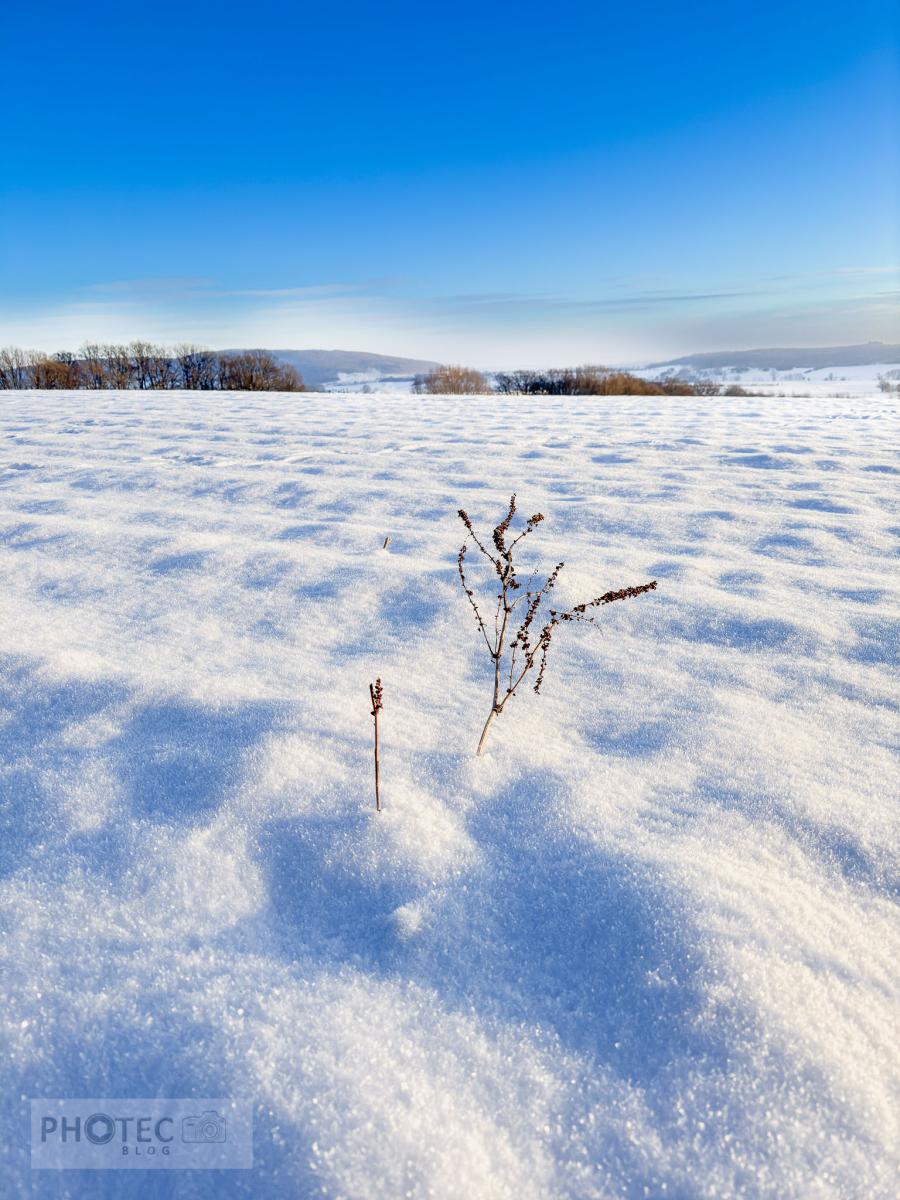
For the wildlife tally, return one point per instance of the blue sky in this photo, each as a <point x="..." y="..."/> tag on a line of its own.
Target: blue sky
<point x="494" y="183"/>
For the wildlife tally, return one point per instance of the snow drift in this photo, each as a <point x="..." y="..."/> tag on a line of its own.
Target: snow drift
<point x="646" y="947"/>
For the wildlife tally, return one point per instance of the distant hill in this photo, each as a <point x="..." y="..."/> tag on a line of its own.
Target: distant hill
<point x="321" y="368"/>
<point x="788" y="359"/>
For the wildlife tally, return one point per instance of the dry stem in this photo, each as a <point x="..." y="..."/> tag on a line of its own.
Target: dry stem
<point x="376" y="693"/>
<point x="514" y="659"/>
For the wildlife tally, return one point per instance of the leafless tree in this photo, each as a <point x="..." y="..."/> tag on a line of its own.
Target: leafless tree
<point x="119" y="368"/>
<point x="514" y="383"/>
<point x="144" y="365"/>
<point x="705" y="387"/>
<point x="53" y="371"/>
<point x="197" y="367"/>
<point x="595" y="381"/>
<point x="257" y="371"/>
<point x="142" y="356"/>
<point x="451" y="381"/>
<point x="94" y="373"/>
<point x="162" y="369"/>
<point x="13" y="368"/>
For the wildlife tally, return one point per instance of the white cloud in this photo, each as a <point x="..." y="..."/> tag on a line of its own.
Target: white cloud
<point x="624" y="321"/>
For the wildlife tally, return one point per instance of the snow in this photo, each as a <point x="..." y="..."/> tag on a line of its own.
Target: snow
<point x="801" y="382"/>
<point x="646" y="947"/>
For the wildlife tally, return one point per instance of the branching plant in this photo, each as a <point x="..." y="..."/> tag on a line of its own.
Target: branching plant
<point x="376" y="693"/>
<point x="519" y="632"/>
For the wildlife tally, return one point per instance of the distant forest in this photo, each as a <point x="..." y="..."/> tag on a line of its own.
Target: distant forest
<point x="568" y="381"/>
<point x="147" y="367"/>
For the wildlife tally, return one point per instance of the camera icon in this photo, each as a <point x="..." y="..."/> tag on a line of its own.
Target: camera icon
<point x="208" y="1127"/>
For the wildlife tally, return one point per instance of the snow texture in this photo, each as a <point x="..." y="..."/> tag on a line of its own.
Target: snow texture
<point x="646" y="947"/>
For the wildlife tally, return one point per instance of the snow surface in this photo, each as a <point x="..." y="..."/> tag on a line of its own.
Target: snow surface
<point x="802" y="382"/>
<point x="646" y="947"/>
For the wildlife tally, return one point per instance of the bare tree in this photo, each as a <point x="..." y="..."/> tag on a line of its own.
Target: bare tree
<point x="595" y="381"/>
<point x="197" y="367"/>
<point x="451" y="381"/>
<point x="514" y="383"/>
<point x="119" y="368"/>
<point x="53" y="371"/>
<point x="705" y="387"/>
<point x="257" y="371"/>
<point x="162" y="369"/>
<point x="515" y="655"/>
<point x="70" y="374"/>
<point x="145" y="365"/>
<point x="94" y="373"/>
<point x="13" y="368"/>
<point x="142" y="356"/>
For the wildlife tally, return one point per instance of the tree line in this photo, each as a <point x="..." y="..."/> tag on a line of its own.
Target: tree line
<point x="568" y="381"/>
<point x="148" y="367"/>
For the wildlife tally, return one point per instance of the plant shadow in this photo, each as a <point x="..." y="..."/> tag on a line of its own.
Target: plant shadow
<point x="35" y="752"/>
<point x="836" y="850"/>
<point x="321" y="904"/>
<point x="580" y="944"/>
<point x="570" y="937"/>
<point x="619" y="740"/>
<point x="179" y="760"/>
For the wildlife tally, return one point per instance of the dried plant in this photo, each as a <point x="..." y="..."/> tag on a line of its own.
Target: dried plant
<point x="515" y="654"/>
<point x="376" y="693"/>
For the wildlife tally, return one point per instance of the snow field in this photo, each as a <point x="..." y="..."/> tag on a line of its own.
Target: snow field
<point x="646" y="947"/>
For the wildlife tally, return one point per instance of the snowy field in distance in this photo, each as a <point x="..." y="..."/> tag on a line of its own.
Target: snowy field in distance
<point x="802" y="382"/>
<point x="647" y="947"/>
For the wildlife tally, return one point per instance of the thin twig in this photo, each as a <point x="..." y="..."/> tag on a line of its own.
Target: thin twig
<point x="376" y="693"/>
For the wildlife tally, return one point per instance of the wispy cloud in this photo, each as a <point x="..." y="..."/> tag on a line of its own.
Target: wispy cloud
<point x="562" y="304"/>
<point x="610" y="318"/>
<point x="628" y="295"/>
<point x="160" y="285"/>
<point x="816" y="277"/>
<point x="866" y="271"/>
<point x="212" y="288"/>
<point x="320" y="291"/>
